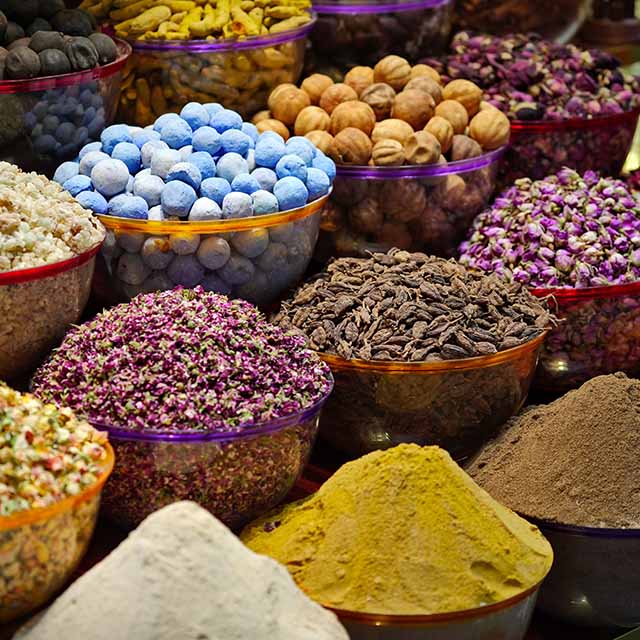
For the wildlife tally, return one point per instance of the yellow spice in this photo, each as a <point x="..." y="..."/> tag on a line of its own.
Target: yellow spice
<point x="403" y="531"/>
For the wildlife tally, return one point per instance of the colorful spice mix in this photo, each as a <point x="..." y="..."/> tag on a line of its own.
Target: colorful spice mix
<point x="182" y="360"/>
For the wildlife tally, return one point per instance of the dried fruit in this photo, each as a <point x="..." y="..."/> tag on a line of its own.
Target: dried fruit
<point x="271" y="124"/>
<point x="426" y="85"/>
<point x="419" y="70"/>
<point x="359" y="78"/>
<point x="335" y="95"/>
<point x="443" y="130"/>
<point x="388" y="153"/>
<point x="288" y="103"/>
<point x="394" y="71"/>
<point x="352" y="146"/>
<point x="353" y="113"/>
<point x="490" y="129"/>
<point x="323" y="140"/>
<point x="414" y="107"/>
<point x="265" y="114"/>
<point x="422" y="148"/>
<point x="463" y="148"/>
<point x="455" y="113"/>
<point x="379" y="97"/>
<point x="311" y="119"/>
<point x="392" y="129"/>
<point x="366" y="216"/>
<point x="466" y="93"/>
<point x="315" y="85"/>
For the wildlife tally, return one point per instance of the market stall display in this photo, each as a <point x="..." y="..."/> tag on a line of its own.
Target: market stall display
<point x="48" y="246"/>
<point x="421" y="349"/>
<point x="571" y="467"/>
<point x="182" y="573"/>
<point x="340" y="548"/>
<point x="568" y="106"/>
<point x="575" y="238"/>
<point x="203" y="398"/>
<point x="53" y="469"/>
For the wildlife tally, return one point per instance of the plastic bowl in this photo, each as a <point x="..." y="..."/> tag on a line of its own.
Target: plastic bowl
<point x="594" y="580"/>
<point x="599" y="334"/>
<point x="236" y="476"/>
<point x="507" y="620"/>
<point x="163" y="75"/>
<point x="37" y="307"/>
<point x="457" y="404"/>
<point x="352" y="32"/>
<point x="268" y="254"/>
<point x="557" y="20"/>
<point x="425" y="208"/>
<point x="41" y="548"/>
<point x="540" y="148"/>
<point x="46" y="121"/>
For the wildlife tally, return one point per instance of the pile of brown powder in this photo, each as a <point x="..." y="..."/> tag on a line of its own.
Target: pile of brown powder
<point x="574" y="461"/>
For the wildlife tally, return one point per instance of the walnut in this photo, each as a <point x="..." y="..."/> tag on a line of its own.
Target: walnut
<point x="286" y="104"/>
<point x="351" y="146"/>
<point x="463" y="148"/>
<point x="419" y="70"/>
<point x="353" y="113"/>
<point x="392" y="129"/>
<point x="393" y="70"/>
<point x="359" y="78"/>
<point x="387" y="153"/>
<point x="366" y="217"/>
<point x="455" y="113"/>
<point x="323" y="140"/>
<point x="265" y="114"/>
<point x="426" y="85"/>
<point x="414" y="107"/>
<point x="273" y="125"/>
<point x="443" y="130"/>
<point x="335" y="95"/>
<point x="315" y="85"/>
<point x="490" y="129"/>
<point x="422" y="148"/>
<point x="466" y="93"/>
<point x="311" y="119"/>
<point x="379" y="97"/>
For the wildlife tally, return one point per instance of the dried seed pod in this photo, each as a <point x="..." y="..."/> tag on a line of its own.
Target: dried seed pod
<point x="422" y="148"/>
<point x="387" y="153"/>
<point x="393" y="129"/>
<point x="353" y="113"/>
<point x="463" y="148"/>
<point x="420" y="70"/>
<point x="490" y="129"/>
<point x="366" y="217"/>
<point x="455" y="113"/>
<point x="352" y="146"/>
<point x="321" y="139"/>
<point x="336" y="94"/>
<point x="426" y="85"/>
<point x="271" y="124"/>
<point x="443" y="130"/>
<point x="315" y="85"/>
<point x="379" y="97"/>
<point x="414" y="107"/>
<point x="466" y="93"/>
<point x="359" y="78"/>
<point x="394" y="71"/>
<point x="311" y="119"/>
<point x="287" y="104"/>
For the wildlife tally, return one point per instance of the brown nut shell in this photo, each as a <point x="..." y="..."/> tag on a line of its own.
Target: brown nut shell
<point x="359" y="78"/>
<point x="336" y="94"/>
<point x="265" y="114"/>
<point x="353" y="113"/>
<point x="287" y="104"/>
<point x="490" y="129"/>
<point x="387" y="153"/>
<point x="379" y="97"/>
<point x="393" y="70"/>
<point x="443" y="130"/>
<point x="422" y="148"/>
<point x="392" y="129"/>
<point x="273" y="125"/>
<point x="419" y="70"/>
<point x="311" y="119"/>
<point x="323" y="140"/>
<point x="466" y="93"/>
<point x="463" y="148"/>
<point x="455" y="113"/>
<point x="426" y="85"/>
<point x="352" y="146"/>
<point x="315" y="85"/>
<point x="414" y="107"/>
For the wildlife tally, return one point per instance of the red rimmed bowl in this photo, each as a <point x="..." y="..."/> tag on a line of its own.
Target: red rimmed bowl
<point x="37" y="307"/>
<point x="599" y="333"/>
<point x="46" y="121"/>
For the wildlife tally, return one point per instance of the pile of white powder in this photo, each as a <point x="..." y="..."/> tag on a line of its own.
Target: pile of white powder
<point x="182" y="575"/>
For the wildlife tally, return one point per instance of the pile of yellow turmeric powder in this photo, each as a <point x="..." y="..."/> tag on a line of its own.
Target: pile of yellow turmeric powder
<point x="403" y="531"/>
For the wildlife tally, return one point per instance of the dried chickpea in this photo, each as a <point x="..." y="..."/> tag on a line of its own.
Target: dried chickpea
<point x="455" y="113"/>
<point x="273" y="125"/>
<point x="392" y="129"/>
<point x="311" y="119"/>
<point x="387" y="153"/>
<point x="419" y="70"/>
<point x="321" y="139"/>
<point x="394" y="71"/>
<point x="466" y="93"/>
<point x="288" y="104"/>
<point x="490" y="129"/>
<point x="414" y="107"/>
<point x="336" y="94"/>
<point x="379" y="97"/>
<point x="352" y="146"/>
<point x="353" y="113"/>
<point x="359" y="78"/>
<point x="443" y="131"/>
<point x="315" y="85"/>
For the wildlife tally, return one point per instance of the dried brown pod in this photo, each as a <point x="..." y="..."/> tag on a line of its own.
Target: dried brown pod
<point x="387" y="153"/>
<point x="315" y="85"/>
<point x="366" y="217"/>
<point x="422" y="148"/>
<point x="393" y="129"/>
<point x="287" y="104"/>
<point x="321" y="139"/>
<point x="426" y="85"/>
<point x="394" y="71"/>
<point x="273" y="125"/>
<point x="353" y="113"/>
<point x="379" y="97"/>
<point x="466" y="93"/>
<point x="419" y="70"/>
<point x="265" y="114"/>
<point x="490" y="129"/>
<point x="359" y="78"/>
<point x="443" y="130"/>
<point x="311" y="119"/>
<point x="455" y="113"/>
<point x="351" y="146"/>
<point x="336" y="94"/>
<point x="463" y="148"/>
<point x="414" y="107"/>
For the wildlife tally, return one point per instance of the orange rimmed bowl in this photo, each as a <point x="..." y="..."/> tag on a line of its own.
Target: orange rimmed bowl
<point x="41" y="548"/>
<point x="456" y="404"/>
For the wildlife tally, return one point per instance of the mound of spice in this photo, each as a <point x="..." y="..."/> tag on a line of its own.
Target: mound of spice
<point x="573" y="461"/>
<point x="46" y="453"/>
<point x="567" y="230"/>
<point x="411" y="307"/>
<point x="460" y="548"/>
<point x="182" y="360"/>
<point x="133" y="591"/>
<point x="40" y="223"/>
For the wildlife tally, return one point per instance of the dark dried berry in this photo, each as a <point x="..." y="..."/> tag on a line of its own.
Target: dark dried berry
<point x="54" y="62"/>
<point x="105" y="46"/>
<point x="48" y="8"/>
<point x="39" y="24"/>
<point x="42" y="40"/>
<point x="72" y="22"/>
<point x="22" y="63"/>
<point x="13" y="32"/>
<point x="81" y="53"/>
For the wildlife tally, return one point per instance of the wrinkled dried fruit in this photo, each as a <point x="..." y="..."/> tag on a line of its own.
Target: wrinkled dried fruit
<point x="490" y="129"/>
<point x="335" y="95"/>
<point x="463" y="148"/>
<point x="105" y="46"/>
<point x="414" y="107"/>
<point x="392" y="129"/>
<point x="81" y="53"/>
<point x="353" y="113"/>
<point x="466" y="93"/>
<point x="379" y="97"/>
<point x="366" y="216"/>
<point x="443" y="131"/>
<point x="54" y="62"/>
<point x="359" y="78"/>
<point x="352" y="146"/>
<point x="315" y="85"/>
<point x="394" y="71"/>
<point x="22" y="63"/>
<point x="72" y="22"/>
<point x="265" y="114"/>
<point x="455" y="113"/>
<point x="287" y="104"/>
<point x="271" y="124"/>
<point x="422" y="148"/>
<point x="321" y="139"/>
<point x="311" y="119"/>
<point x="426" y="85"/>
<point x="42" y="40"/>
<point x="388" y="153"/>
<point x="419" y="70"/>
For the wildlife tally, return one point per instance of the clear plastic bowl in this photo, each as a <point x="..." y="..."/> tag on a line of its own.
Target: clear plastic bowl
<point x="426" y="208"/>
<point x="236" y="476"/>
<point x="267" y="255"/>
<point x="41" y="548"/>
<point x="163" y="75"/>
<point x="352" y="32"/>
<point x="594" y="580"/>
<point x="45" y="121"/>
<point x="557" y="20"/>
<point x="540" y="148"/>
<point x="599" y="334"/>
<point x="457" y="404"/>
<point x="507" y="620"/>
<point x="37" y="307"/>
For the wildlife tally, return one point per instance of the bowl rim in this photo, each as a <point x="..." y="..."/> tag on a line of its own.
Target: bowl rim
<point x="543" y="126"/>
<point x="364" y="6"/>
<point x="230" y="225"/>
<point x="338" y="363"/>
<point x="421" y="170"/>
<point x="582" y="531"/>
<point x="30" y="85"/>
<point x="30" y="516"/>
<point x="569" y="294"/>
<point x="223" y="44"/>
<point x="20" y="276"/>
<point x="239" y="433"/>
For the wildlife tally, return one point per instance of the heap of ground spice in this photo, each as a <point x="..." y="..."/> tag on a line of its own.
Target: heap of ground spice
<point x="182" y="360"/>
<point x="574" y="461"/>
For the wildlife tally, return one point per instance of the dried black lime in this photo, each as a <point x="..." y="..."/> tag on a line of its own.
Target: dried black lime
<point x="81" y="53"/>
<point x="48" y="8"/>
<point x="12" y="32"/>
<point x="105" y="46"/>
<point x="54" y="62"/>
<point x="73" y="22"/>
<point x="39" y="24"/>
<point x="20" y="42"/>
<point x="3" y="26"/>
<point x="42" y="40"/>
<point x="22" y="63"/>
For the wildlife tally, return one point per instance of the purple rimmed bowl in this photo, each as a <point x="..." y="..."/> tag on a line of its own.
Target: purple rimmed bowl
<point x="237" y="475"/>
